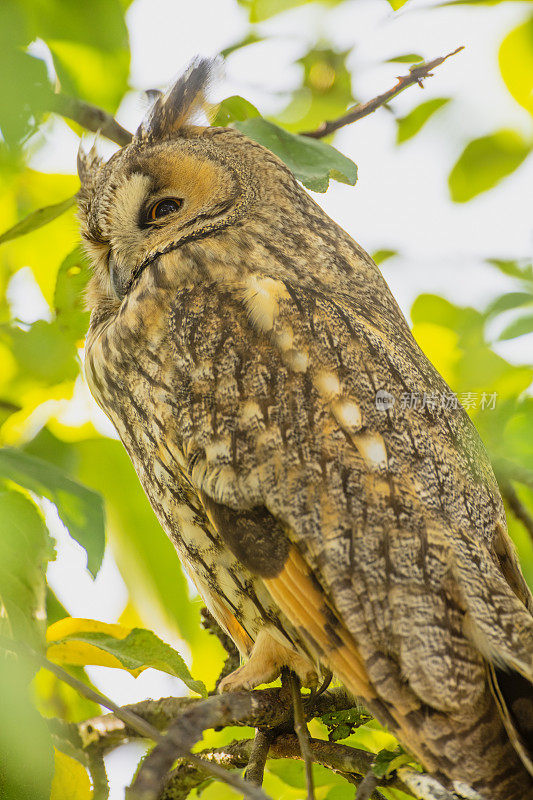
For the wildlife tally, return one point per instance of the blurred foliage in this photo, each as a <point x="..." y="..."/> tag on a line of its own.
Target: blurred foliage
<point x="51" y="454"/>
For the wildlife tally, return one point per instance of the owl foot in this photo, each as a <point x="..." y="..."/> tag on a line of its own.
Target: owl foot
<point x="266" y="661"/>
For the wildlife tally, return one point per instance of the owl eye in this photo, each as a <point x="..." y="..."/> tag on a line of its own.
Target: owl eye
<point x="163" y="207"/>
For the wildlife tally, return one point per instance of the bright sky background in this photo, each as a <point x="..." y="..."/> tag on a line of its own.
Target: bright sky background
<point x="400" y="201"/>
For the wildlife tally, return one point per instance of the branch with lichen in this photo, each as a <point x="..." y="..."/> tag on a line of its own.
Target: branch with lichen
<point x="177" y="724"/>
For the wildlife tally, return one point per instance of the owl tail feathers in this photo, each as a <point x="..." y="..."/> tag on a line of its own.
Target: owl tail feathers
<point x="500" y="626"/>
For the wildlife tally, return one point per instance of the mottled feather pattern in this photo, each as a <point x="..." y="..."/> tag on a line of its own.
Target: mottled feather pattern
<point x="238" y="350"/>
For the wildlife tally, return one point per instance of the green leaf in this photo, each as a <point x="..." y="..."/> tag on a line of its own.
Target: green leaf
<point x="410" y="125"/>
<point x="97" y="76"/>
<point x="25" y="549"/>
<point x="478" y="2"/>
<point x="250" y="38"/>
<point x="26" y="92"/>
<point x="98" y="24"/>
<point x="140" y="649"/>
<point x="325" y="91"/>
<point x="513" y="268"/>
<point x="44" y="352"/>
<point x="260" y="10"/>
<point x="80" y="508"/>
<point x="384" y="760"/>
<point x="341" y="724"/>
<point x="89" y="46"/>
<point x="313" y="162"/>
<point x="484" y="162"/>
<point x="508" y="301"/>
<point x="379" y="256"/>
<point x="519" y="327"/>
<point x="341" y="793"/>
<point x="396" y="4"/>
<point x="408" y="58"/>
<point x="37" y="219"/>
<point x="293" y="773"/>
<point x="69" y="300"/>
<point x="233" y="109"/>
<point x="516" y="63"/>
<point x="27" y="761"/>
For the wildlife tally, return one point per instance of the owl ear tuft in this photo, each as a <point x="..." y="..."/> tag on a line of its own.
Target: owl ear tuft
<point x="174" y="109"/>
<point x="89" y="163"/>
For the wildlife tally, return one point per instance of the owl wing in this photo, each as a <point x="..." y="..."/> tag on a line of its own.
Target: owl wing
<point x="376" y="526"/>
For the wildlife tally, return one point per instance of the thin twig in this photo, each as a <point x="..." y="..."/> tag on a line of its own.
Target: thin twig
<point x="300" y="729"/>
<point x="256" y="765"/>
<point x="98" y="775"/>
<point x="91" y="117"/>
<point x="517" y="507"/>
<point x="417" y="74"/>
<point x="367" y="786"/>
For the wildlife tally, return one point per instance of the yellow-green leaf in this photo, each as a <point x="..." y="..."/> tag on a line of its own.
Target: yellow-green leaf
<point x="485" y="162"/>
<point x="411" y="124"/>
<point x="65" y="648"/>
<point x="133" y="650"/>
<point x="70" y="779"/>
<point x="518" y="327"/>
<point x="37" y="219"/>
<point x="379" y="256"/>
<point x="516" y="63"/>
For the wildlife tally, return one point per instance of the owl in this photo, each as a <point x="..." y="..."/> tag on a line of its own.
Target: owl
<point x="243" y="345"/>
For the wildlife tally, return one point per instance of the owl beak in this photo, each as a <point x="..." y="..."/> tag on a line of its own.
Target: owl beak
<point x="117" y="283"/>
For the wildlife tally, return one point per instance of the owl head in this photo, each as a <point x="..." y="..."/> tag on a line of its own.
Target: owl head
<point x="176" y="183"/>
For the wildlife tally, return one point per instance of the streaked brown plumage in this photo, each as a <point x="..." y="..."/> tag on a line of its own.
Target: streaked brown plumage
<point x="237" y="343"/>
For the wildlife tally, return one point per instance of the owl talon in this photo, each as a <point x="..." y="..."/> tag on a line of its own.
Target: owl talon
<point x="266" y="662"/>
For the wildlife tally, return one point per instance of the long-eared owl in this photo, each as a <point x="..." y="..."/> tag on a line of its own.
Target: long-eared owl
<point x="238" y="341"/>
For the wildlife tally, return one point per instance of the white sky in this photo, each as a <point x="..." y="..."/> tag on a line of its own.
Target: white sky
<point x="400" y="201"/>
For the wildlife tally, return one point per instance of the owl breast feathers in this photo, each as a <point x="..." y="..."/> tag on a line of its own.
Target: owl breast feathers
<point x="238" y="341"/>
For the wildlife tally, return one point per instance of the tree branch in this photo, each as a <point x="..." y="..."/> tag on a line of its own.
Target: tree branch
<point x="182" y="735"/>
<point x="91" y="117"/>
<point x="258" y="755"/>
<point x="417" y="74"/>
<point x="349" y="762"/>
<point x="271" y="709"/>
<point x="517" y="507"/>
